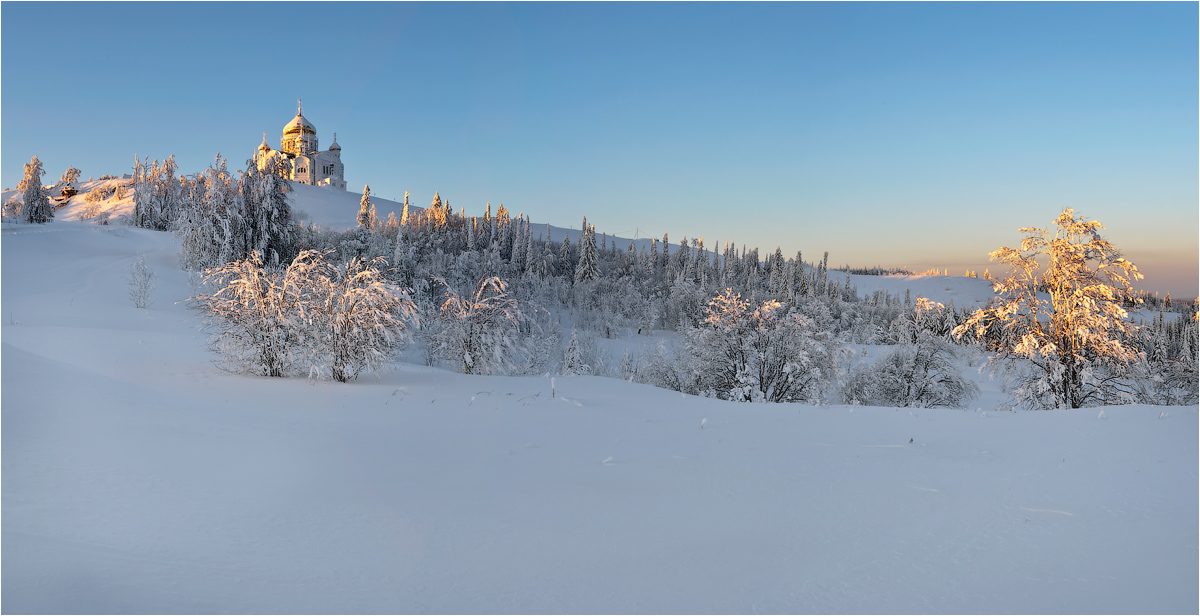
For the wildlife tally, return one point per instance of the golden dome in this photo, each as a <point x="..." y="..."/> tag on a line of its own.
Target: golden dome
<point x="299" y="125"/>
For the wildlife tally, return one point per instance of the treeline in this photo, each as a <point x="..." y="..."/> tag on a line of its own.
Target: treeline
<point x="493" y="294"/>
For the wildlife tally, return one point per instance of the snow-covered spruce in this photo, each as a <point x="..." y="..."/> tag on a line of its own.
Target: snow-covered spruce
<point x="35" y="200"/>
<point x="573" y="363"/>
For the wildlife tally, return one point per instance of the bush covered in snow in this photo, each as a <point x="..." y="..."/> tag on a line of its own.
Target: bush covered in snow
<point x="102" y="192"/>
<point x="311" y="317"/>
<point x="479" y="333"/>
<point x="141" y="281"/>
<point x="772" y="353"/>
<point x="921" y="374"/>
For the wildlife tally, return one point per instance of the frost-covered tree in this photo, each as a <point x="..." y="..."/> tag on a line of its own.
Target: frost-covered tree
<point x="70" y="177"/>
<point x="504" y="232"/>
<point x="519" y="249"/>
<point x="391" y="227"/>
<point x="479" y="333"/>
<point x="629" y="366"/>
<point x="770" y="354"/>
<point x="357" y="318"/>
<point x="364" y="208"/>
<point x="210" y="225"/>
<point x="157" y="194"/>
<point x="573" y="363"/>
<point x="256" y="318"/>
<point x="141" y="281"/>
<point x="663" y="369"/>
<point x="438" y="212"/>
<point x="566" y="261"/>
<point x="543" y="264"/>
<point x="589" y="259"/>
<point x="794" y="359"/>
<point x="35" y="207"/>
<point x="1062" y="328"/>
<point x="268" y="213"/>
<point x="312" y="317"/>
<point x="920" y="374"/>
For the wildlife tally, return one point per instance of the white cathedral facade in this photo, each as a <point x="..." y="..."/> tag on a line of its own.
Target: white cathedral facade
<point x="300" y="157"/>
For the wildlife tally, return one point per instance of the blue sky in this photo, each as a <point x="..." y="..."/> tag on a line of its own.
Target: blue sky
<point x="918" y="135"/>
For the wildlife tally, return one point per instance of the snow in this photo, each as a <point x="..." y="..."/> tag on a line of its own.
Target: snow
<point x="137" y="477"/>
<point x="963" y="291"/>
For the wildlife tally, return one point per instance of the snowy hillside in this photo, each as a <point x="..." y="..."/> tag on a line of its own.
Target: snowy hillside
<point x="137" y="477"/>
<point x="339" y="209"/>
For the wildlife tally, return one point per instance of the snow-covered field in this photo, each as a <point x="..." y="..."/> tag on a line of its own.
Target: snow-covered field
<point x="137" y="477"/>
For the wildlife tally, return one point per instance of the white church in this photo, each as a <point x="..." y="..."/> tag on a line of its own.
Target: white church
<point x="300" y="157"/>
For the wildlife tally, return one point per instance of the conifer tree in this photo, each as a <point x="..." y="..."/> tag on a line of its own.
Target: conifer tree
<point x="798" y="278"/>
<point x="36" y="206"/>
<point x="589" y="262"/>
<point x="546" y="264"/>
<point x="268" y="214"/>
<point x="566" y="262"/>
<point x="517" y="254"/>
<point x="364" y="208"/>
<point x="399" y="251"/>
<point x="573" y="364"/>
<point x="682" y="257"/>
<point x="436" y="210"/>
<point x="776" y="280"/>
<point x="156" y="195"/>
<point x="504" y="232"/>
<point x="391" y="226"/>
<point x="530" y="259"/>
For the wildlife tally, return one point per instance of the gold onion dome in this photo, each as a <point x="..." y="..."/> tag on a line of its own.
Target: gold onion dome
<point x="299" y="125"/>
<point x="263" y="147"/>
<point x="335" y="145"/>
